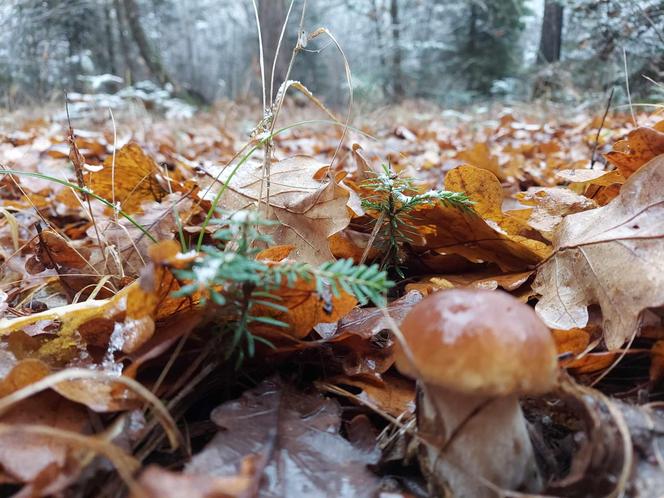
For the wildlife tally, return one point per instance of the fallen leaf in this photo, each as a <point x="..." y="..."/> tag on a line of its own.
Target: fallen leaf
<point x="484" y="189"/>
<point x="25" y="456"/>
<point x="551" y="205"/>
<point x="447" y="230"/>
<point x="489" y="280"/>
<point x="161" y="483"/>
<point x="640" y="146"/>
<point x="306" y="308"/>
<point x="611" y="256"/>
<point x="479" y="155"/>
<point x="309" y="202"/>
<point x="393" y="395"/>
<point x="298" y="435"/>
<point x="131" y="178"/>
<point x="590" y="176"/>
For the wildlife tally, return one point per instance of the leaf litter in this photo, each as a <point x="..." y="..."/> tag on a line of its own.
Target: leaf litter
<point x="107" y="357"/>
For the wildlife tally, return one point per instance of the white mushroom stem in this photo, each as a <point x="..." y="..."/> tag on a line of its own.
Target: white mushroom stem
<point x="489" y="442"/>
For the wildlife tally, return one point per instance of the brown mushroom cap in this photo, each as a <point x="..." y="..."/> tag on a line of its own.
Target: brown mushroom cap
<point x="480" y="342"/>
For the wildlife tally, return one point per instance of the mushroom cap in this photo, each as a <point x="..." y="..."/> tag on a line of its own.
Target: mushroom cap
<point x="478" y="342"/>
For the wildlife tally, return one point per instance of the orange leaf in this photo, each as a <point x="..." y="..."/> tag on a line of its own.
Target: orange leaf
<point x="640" y="146"/>
<point x="131" y="180"/>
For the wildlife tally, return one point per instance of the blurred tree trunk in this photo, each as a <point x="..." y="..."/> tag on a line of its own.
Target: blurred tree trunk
<point x="272" y="14"/>
<point x="552" y="30"/>
<point x="129" y="69"/>
<point x="376" y="16"/>
<point x="110" y="41"/>
<point x="148" y="54"/>
<point x="397" y="75"/>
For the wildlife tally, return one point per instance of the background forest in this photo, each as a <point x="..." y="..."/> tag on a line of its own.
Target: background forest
<point x="451" y="51"/>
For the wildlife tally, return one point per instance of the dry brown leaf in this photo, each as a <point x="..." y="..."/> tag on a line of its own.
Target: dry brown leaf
<point x="478" y="280"/>
<point x="393" y="395"/>
<point x="62" y="336"/>
<point x="134" y="180"/>
<point x="309" y="202"/>
<point x="551" y="205"/>
<point x="612" y="256"/>
<point x="157" y="218"/>
<point x="447" y="230"/>
<point x="590" y="176"/>
<point x="305" y="309"/>
<point x="640" y="146"/>
<point x="479" y="155"/>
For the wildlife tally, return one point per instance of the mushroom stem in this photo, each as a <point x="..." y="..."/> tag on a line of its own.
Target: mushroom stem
<point x="477" y="439"/>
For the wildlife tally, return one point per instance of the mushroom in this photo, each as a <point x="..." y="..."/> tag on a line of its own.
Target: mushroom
<point x="476" y="352"/>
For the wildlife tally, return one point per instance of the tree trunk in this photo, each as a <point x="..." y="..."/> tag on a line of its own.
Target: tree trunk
<point x="272" y="14"/>
<point x="148" y="54"/>
<point x="377" y="21"/>
<point x="551" y="35"/>
<point x="397" y="75"/>
<point x="110" y="41"/>
<point x="128" y="62"/>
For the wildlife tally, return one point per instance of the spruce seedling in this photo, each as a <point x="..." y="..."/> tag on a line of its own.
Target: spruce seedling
<point x="394" y="198"/>
<point x="234" y="282"/>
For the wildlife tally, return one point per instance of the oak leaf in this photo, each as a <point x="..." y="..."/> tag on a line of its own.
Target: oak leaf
<point x="309" y="202"/>
<point x="612" y="256"/>
<point x="298" y="434"/>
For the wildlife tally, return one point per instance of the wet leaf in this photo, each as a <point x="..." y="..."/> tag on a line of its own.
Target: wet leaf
<point x="161" y="483"/>
<point x="27" y="457"/>
<point x="297" y="434"/>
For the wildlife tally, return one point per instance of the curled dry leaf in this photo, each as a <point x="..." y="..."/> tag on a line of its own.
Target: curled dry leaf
<point x="297" y="436"/>
<point x="157" y="218"/>
<point x="309" y="202"/>
<point x="483" y="234"/>
<point x="451" y="231"/>
<point x="551" y="205"/>
<point x="600" y="186"/>
<point x="640" y="146"/>
<point x="617" y="447"/>
<point x="490" y="280"/>
<point x="306" y="308"/>
<point x="612" y="256"/>
<point x="392" y="395"/>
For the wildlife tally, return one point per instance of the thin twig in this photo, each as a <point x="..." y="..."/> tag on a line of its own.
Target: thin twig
<point x="599" y="130"/>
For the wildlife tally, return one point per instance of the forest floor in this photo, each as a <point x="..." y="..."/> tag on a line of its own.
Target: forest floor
<point x="172" y="322"/>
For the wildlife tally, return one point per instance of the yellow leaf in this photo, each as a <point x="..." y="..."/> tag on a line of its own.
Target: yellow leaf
<point x="131" y="180"/>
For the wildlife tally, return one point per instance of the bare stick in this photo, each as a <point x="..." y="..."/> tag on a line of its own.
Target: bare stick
<point x="599" y="130"/>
